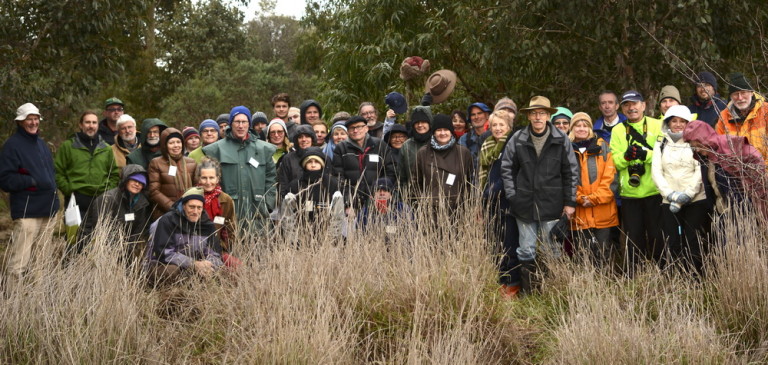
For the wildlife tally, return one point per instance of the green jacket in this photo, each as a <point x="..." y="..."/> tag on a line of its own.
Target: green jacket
<point x="407" y="160"/>
<point x="144" y="154"/>
<point x="77" y="170"/>
<point x="197" y="154"/>
<point x="619" y="145"/>
<point x="247" y="174"/>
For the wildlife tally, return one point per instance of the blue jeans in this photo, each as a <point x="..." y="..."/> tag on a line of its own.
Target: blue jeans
<point x="530" y="233"/>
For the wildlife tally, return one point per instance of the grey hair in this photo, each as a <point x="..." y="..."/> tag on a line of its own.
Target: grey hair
<point x="206" y="164"/>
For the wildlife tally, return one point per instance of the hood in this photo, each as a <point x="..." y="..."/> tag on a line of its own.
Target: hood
<point x="698" y="131"/>
<point x="164" y="138"/>
<point x="131" y="169"/>
<point x="149" y="123"/>
<point x="395" y="128"/>
<point x="304" y="129"/>
<point x="303" y="109"/>
<point x="730" y="151"/>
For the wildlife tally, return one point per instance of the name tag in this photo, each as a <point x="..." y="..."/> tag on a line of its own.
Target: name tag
<point x="130" y="217"/>
<point x="172" y="171"/>
<point x="451" y="179"/>
<point x="219" y="220"/>
<point x="254" y="163"/>
<point x="373" y="158"/>
<point x="309" y="206"/>
<point x="390" y="229"/>
<point x="582" y="149"/>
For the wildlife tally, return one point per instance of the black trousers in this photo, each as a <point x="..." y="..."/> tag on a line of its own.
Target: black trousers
<point x="502" y="231"/>
<point x="641" y="219"/>
<point x="683" y="231"/>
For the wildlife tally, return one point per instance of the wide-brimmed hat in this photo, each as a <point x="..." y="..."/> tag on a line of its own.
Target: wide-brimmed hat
<point x="539" y="102"/>
<point x="440" y="85"/>
<point x="25" y="110"/>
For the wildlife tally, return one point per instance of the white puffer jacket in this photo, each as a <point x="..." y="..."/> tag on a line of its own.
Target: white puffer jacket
<point x="675" y="169"/>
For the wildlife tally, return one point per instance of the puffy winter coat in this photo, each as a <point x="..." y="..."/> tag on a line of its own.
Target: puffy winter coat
<point x="620" y="141"/>
<point x="359" y="167"/>
<point x="675" y="169"/>
<point x="27" y="173"/>
<point x="538" y="187"/>
<point x="131" y="213"/>
<point x="79" y="170"/>
<point x="598" y="182"/>
<point x="247" y="174"/>
<point x="164" y="189"/>
<point x="753" y="126"/>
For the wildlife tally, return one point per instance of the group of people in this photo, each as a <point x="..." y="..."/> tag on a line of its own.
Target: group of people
<point x="181" y="197"/>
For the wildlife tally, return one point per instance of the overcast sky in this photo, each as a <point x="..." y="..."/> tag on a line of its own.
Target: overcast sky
<point x="292" y="8"/>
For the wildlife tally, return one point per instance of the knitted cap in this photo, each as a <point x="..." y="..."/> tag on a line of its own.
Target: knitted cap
<point x="739" y="82"/>
<point x="222" y="118"/>
<point x="506" y="103"/>
<point x="239" y="110"/>
<point x="313" y="154"/>
<point x="442" y="121"/>
<point x="188" y="132"/>
<point x="421" y="114"/>
<point x="193" y="193"/>
<point x="209" y="123"/>
<point x="279" y="122"/>
<point x="259" y="117"/>
<point x="669" y="91"/>
<point x="706" y="77"/>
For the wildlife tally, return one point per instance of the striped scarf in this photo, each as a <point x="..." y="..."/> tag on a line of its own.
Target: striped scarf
<point x="489" y="153"/>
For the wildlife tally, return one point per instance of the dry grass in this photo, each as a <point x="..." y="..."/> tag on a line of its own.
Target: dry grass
<point x="428" y="296"/>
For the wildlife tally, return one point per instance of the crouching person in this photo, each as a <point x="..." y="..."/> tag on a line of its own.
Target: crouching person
<point x="183" y="242"/>
<point x="125" y="206"/>
<point x="386" y="210"/>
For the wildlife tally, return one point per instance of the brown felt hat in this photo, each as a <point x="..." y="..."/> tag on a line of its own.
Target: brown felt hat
<point x="539" y="102"/>
<point x="440" y="85"/>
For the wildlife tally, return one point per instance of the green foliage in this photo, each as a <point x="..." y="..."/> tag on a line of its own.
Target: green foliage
<point x="250" y="82"/>
<point x="565" y="50"/>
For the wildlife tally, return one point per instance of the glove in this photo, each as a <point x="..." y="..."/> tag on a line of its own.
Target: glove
<point x="683" y="199"/>
<point x="674" y="207"/>
<point x="426" y="100"/>
<point x="672" y="197"/>
<point x="635" y="153"/>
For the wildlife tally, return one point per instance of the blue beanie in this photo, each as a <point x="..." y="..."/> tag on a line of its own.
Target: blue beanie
<point x="209" y="123"/>
<point x="239" y="110"/>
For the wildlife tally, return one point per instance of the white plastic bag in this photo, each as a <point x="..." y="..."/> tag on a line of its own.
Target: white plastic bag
<point x="72" y="215"/>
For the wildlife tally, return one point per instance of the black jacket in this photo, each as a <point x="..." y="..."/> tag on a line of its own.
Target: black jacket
<point x="538" y="187"/>
<point x="106" y="133"/>
<point x="27" y="173"/>
<point x="360" y="167"/>
<point x="289" y="165"/>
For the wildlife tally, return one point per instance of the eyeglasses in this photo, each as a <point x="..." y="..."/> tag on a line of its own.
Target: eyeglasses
<point x="356" y="128"/>
<point x="112" y="110"/>
<point x="400" y="137"/>
<point x="561" y="123"/>
<point x="533" y="114"/>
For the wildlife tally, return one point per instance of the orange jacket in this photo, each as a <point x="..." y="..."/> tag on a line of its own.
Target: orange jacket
<point x="753" y="126"/>
<point x="597" y="182"/>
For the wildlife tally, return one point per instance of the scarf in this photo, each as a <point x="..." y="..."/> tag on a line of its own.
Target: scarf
<point x="489" y="153"/>
<point x="182" y="180"/>
<point x="212" y="206"/>
<point x="437" y="147"/>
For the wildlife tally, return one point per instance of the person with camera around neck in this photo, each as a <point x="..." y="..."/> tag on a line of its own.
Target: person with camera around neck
<point x="632" y="147"/>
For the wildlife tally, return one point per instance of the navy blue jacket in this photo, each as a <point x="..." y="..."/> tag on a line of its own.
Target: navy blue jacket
<point x="26" y="172"/>
<point x="602" y="131"/>
<point x="708" y="111"/>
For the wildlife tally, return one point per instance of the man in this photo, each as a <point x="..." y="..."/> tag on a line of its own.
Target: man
<point x="294" y="114"/>
<point x="209" y="133"/>
<point x="150" y="143"/>
<point x="746" y="115"/>
<point x="85" y="166"/>
<point x="540" y="174"/>
<point x="223" y="121"/>
<point x="281" y="103"/>
<point x="632" y="148"/>
<point x="360" y="160"/>
<point x="668" y="97"/>
<point x="310" y="113"/>
<point x="478" y="116"/>
<point x="247" y="170"/>
<point x="113" y="109"/>
<point x="368" y="111"/>
<point x="126" y="141"/>
<point x="705" y="101"/>
<point x="27" y="175"/>
<point x="609" y="106"/>
<point x="259" y="123"/>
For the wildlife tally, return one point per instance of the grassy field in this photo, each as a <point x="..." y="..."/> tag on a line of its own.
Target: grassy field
<point x="429" y="296"/>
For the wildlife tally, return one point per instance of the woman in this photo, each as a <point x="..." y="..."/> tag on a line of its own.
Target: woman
<point x="277" y="134"/>
<point x="321" y="132"/>
<point x="289" y="167"/>
<point x="191" y="139"/>
<point x="459" y="119"/>
<point x="501" y="125"/>
<point x="502" y="227"/>
<point x="219" y="206"/>
<point x="677" y="174"/>
<point x="443" y="169"/>
<point x="562" y="119"/>
<point x="421" y="124"/>
<point x="183" y="242"/>
<point x="338" y="134"/>
<point x="395" y="138"/>
<point x="596" y="211"/>
<point x="170" y="174"/>
<point x="126" y="207"/>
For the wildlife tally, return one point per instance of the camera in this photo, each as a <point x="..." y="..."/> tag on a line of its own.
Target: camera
<point x="635" y="170"/>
